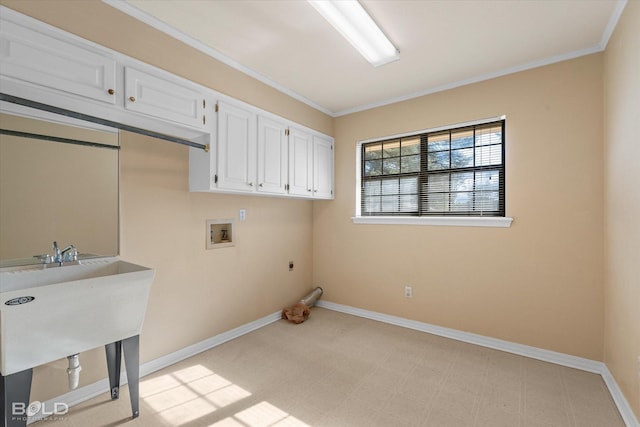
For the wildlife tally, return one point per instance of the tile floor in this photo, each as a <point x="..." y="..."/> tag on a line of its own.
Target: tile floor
<point x="339" y="370"/>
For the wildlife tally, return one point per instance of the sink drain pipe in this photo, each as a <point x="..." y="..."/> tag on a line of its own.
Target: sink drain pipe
<point x="73" y="371"/>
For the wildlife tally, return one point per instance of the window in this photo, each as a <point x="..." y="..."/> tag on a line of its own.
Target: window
<point x="447" y="172"/>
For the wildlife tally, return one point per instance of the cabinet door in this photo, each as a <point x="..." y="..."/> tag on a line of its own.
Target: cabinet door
<point x="300" y="163"/>
<point x="322" y="168"/>
<point x="272" y="156"/>
<point x="33" y="57"/>
<point x="163" y="98"/>
<point x="236" y="147"/>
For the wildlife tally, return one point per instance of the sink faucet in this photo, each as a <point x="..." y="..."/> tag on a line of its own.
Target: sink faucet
<point x="59" y="257"/>
<point x="68" y="254"/>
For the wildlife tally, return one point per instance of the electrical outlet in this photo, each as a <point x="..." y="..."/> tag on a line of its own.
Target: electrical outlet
<point x="243" y="214"/>
<point x="408" y="292"/>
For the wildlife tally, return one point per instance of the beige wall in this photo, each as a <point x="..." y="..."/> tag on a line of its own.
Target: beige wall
<point x="197" y="293"/>
<point x="622" y="204"/>
<point x="537" y="283"/>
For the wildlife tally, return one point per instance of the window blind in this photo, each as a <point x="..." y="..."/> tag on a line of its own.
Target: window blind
<point x="458" y="171"/>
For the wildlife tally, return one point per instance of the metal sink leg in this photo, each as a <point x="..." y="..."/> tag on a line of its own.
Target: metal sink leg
<point x="16" y="389"/>
<point x="114" y="360"/>
<point x="131" y="349"/>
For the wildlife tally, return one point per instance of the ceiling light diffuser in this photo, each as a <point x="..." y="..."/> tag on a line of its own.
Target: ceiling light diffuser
<point x="355" y="24"/>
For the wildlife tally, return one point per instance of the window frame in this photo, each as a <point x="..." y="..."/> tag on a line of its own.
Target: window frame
<point x="447" y="220"/>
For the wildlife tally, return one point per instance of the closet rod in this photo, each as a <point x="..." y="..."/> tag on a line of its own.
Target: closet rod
<point x="68" y="113"/>
<point x="57" y="139"/>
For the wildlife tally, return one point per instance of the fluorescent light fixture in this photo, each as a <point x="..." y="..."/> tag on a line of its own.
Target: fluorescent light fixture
<point x="355" y="24"/>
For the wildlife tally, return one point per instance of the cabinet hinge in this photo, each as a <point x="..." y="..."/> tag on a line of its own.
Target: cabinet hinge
<point x="217" y="108"/>
<point x="215" y="179"/>
<point x="204" y="103"/>
<point x="286" y="132"/>
<point x="286" y="187"/>
<point x="204" y="120"/>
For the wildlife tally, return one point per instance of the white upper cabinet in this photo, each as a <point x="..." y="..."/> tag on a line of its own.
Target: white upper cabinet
<point x="300" y="163"/>
<point x="36" y="58"/>
<point x="46" y="65"/>
<point x="164" y="98"/>
<point x="236" y="147"/>
<point x="322" y="167"/>
<point x="272" y="156"/>
<point x="260" y="153"/>
<point x="310" y="164"/>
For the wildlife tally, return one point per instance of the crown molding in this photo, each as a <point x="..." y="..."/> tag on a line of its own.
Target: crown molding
<point x="162" y="26"/>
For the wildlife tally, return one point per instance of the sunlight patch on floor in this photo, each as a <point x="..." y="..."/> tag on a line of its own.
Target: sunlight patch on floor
<point x="262" y="414"/>
<point x="188" y="394"/>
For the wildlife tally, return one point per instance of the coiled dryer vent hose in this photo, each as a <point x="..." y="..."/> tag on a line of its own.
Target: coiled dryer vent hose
<point x="310" y="299"/>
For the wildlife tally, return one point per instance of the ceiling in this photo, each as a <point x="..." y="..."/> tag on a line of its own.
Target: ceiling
<point x="443" y="43"/>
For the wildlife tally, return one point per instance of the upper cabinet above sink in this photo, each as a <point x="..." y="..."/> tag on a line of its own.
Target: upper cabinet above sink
<point x="33" y="57"/>
<point x="167" y="100"/>
<point x="46" y="65"/>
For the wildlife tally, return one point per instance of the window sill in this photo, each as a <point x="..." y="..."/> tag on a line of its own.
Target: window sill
<point x="436" y="220"/>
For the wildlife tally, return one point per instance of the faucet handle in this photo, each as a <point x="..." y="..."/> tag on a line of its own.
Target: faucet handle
<point x="56" y="257"/>
<point x="71" y="255"/>
<point x="43" y="258"/>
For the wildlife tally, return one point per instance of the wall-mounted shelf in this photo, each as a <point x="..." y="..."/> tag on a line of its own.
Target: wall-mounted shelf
<point x="220" y="233"/>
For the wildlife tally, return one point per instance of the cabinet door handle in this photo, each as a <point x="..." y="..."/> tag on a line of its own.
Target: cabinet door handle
<point x="309" y="190"/>
<point x="132" y="98"/>
<point x="315" y="191"/>
<point x="260" y="185"/>
<point x="111" y="91"/>
<point x="251" y="184"/>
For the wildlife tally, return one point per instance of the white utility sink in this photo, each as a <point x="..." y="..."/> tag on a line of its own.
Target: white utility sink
<point x="48" y="314"/>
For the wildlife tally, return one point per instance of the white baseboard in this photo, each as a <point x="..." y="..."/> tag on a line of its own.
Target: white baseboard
<point x="90" y="391"/>
<point x="576" y="362"/>
<point x="626" y="412"/>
